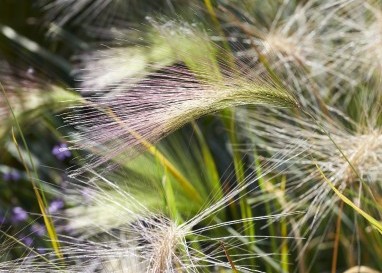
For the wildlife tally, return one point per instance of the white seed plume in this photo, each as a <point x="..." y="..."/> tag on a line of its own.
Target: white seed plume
<point x="317" y="48"/>
<point x="361" y="23"/>
<point x="306" y="45"/>
<point x="276" y="131"/>
<point x="149" y="241"/>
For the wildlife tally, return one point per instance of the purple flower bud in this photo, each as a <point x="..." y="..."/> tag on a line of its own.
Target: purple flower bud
<point x="55" y="206"/>
<point x="27" y="240"/>
<point x="38" y="229"/>
<point x="61" y="151"/>
<point x="7" y="176"/>
<point x="19" y="215"/>
<point x="11" y="176"/>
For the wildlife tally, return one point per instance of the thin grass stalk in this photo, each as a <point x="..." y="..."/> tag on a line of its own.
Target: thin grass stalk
<point x="284" y="233"/>
<point x="210" y="166"/>
<point x="169" y="196"/>
<point x="281" y="202"/>
<point x="245" y="208"/>
<point x="214" y="18"/>
<point x="253" y="247"/>
<point x="374" y="222"/>
<point x="33" y="178"/>
<point x="337" y="238"/>
<point x="271" y="227"/>
<point x="229" y="115"/>
<point x="40" y="200"/>
<point x="232" y="264"/>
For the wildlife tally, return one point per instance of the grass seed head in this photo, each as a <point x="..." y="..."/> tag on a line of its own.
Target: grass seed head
<point x="140" y="110"/>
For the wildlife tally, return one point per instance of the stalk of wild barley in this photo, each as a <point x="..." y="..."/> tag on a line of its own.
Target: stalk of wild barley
<point x="118" y="122"/>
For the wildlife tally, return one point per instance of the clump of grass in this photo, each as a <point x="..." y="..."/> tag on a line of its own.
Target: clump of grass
<point x="322" y="152"/>
<point x="148" y="240"/>
<point x="334" y="148"/>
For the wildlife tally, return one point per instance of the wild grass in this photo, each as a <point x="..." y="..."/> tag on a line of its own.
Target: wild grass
<point x="242" y="136"/>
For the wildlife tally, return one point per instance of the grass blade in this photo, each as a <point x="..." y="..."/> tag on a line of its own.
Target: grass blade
<point x="374" y="222"/>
